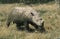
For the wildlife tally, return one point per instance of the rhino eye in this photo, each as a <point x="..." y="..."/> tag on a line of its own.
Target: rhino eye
<point x="32" y="14"/>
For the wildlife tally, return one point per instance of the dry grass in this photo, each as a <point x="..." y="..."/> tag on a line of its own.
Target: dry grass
<point x="49" y="14"/>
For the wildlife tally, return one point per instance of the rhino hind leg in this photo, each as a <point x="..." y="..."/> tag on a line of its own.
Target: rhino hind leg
<point x="20" y="27"/>
<point x="8" y="23"/>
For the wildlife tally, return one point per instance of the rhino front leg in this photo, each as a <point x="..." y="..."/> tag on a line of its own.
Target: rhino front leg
<point x="28" y="28"/>
<point x="41" y="28"/>
<point x="32" y="23"/>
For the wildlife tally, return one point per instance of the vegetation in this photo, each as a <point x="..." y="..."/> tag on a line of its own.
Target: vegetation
<point x="25" y="1"/>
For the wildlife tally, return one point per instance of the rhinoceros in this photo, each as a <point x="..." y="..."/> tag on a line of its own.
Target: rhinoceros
<point x="25" y="16"/>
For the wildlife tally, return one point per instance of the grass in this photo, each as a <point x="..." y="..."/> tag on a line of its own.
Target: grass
<point x="48" y="13"/>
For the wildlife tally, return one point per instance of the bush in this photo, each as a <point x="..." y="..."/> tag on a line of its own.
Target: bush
<point x="25" y="1"/>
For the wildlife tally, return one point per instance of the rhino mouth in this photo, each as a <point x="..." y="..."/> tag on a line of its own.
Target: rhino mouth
<point x="38" y="27"/>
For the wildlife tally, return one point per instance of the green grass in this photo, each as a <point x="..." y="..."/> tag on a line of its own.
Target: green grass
<point x="48" y="13"/>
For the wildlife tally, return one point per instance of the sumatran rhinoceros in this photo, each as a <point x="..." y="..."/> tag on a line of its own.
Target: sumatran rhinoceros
<point x="25" y="16"/>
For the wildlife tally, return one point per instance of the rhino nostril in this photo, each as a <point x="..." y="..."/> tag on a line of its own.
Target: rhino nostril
<point x="40" y="18"/>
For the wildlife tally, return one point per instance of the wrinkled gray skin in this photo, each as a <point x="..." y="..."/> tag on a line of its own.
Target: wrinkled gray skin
<point x="25" y="16"/>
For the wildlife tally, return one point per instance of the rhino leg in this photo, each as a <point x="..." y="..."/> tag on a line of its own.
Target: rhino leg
<point x="32" y="23"/>
<point x="20" y="26"/>
<point x="28" y="28"/>
<point x="41" y="28"/>
<point x="9" y="20"/>
<point x="8" y="23"/>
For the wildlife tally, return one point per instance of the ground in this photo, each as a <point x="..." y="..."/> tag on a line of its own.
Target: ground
<point x="49" y="13"/>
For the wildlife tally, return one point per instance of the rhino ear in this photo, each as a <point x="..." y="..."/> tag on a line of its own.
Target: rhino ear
<point x="32" y="14"/>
